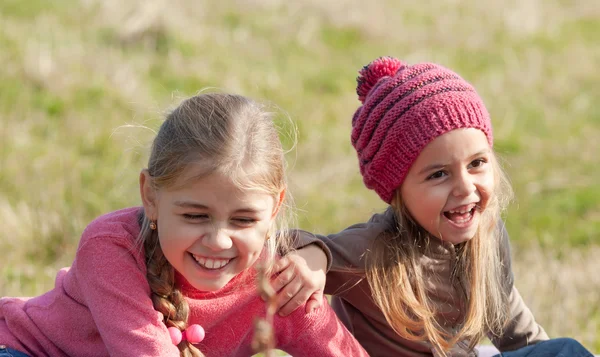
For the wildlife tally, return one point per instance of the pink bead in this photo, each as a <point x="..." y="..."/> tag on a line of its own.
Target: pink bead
<point x="194" y="333"/>
<point x="175" y="334"/>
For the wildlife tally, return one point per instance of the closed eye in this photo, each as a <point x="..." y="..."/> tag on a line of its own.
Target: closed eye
<point x="195" y="217"/>
<point x="243" y="221"/>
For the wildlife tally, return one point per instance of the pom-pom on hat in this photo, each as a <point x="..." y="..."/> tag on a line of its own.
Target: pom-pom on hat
<point x="404" y="108"/>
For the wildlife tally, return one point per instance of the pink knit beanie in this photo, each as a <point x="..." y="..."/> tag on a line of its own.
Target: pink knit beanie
<point x="404" y="108"/>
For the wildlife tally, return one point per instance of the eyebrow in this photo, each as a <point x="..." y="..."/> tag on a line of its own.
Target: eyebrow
<point x="441" y="166"/>
<point x="196" y="205"/>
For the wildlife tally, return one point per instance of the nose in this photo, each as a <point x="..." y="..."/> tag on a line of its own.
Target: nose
<point x="463" y="185"/>
<point x="218" y="239"/>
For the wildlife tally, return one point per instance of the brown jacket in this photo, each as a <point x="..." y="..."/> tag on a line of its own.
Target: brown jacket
<point x="353" y="303"/>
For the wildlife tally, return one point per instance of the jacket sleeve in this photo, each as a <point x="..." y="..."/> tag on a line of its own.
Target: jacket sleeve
<point x="302" y="239"/>
<point x="319" y="333"/>
<point x="347" y="251"/>
<point x="113" y="286"/>
<point x="522" y="329"/>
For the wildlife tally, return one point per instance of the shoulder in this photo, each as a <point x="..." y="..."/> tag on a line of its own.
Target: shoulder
<point x="378" y="224"/>
<point x="503" y="242"/>
<point x="108" y="246"/>
<point x="505" y="255"/>
<point x="385" y="219"/>
<point x="114" y="233"/>
<point x="503" y="237"/>
<point x="119" y="224"/>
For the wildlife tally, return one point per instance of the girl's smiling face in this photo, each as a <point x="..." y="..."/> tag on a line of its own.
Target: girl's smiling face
<point x="450" y="183"/>
<point x="210" y="230"/>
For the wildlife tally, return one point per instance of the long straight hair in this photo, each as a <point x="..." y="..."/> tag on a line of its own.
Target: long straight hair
<point x="398" y="282"/>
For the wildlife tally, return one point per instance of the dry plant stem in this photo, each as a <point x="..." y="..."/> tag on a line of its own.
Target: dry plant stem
<point x="264" y="339"/>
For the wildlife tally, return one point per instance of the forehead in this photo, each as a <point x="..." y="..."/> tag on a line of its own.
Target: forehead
<point x="455" y="145"/>
<point x="217" y="189"/>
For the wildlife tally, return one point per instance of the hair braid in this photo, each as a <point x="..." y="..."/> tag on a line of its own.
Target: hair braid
<point x="166" y="299"/>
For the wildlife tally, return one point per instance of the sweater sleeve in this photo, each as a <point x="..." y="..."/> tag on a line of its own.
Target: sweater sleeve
<point x="114" y="287"/>
<point x="319" y="333"/>
<point x="522" y="329"/>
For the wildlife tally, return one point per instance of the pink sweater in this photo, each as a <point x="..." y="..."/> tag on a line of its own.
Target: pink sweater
<point x="101" y="306"/>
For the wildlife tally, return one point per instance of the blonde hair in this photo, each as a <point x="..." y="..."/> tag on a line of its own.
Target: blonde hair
<point x="399" y="287"/>
<point x="218" y="133"/>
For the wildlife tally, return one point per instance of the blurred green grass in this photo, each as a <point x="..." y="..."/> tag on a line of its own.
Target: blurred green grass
<point x="83" y="83"/>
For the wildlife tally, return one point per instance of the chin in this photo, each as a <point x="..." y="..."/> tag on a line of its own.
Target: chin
<point x="456" y="238"/>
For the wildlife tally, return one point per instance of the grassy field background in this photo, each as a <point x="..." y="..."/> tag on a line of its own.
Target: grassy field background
<point x="84" y="83"/>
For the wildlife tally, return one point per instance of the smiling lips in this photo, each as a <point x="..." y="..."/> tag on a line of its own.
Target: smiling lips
<point x="211" y="263"/>
<point x="461" y="215"/>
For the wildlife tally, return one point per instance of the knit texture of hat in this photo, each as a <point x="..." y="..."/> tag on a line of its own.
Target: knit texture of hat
<point x="404" y="108"/>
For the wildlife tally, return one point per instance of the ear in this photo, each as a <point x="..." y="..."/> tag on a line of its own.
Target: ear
<point x="148" y="194"/>
<point x="279" y="202"/>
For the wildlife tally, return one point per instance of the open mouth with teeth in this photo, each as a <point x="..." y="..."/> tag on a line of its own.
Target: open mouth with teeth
<point x="211" y="263"/>
<point x="461" y="216"/>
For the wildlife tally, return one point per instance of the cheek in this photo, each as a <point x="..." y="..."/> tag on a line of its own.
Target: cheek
<point x="168" y="243"/>
<point x="426" y="205"/>
<point x="176" y="235"/>
<point x="252" y="241"/>
<point x="487" y="185"/>
<point x="420" y="204"/>
<point x="428" y="199"/>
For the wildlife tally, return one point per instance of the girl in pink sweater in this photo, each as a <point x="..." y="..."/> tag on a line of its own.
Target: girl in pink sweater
<point x="178" y="275"/>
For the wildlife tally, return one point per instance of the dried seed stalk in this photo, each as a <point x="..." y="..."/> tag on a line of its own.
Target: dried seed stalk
<point x="264" y="338"/>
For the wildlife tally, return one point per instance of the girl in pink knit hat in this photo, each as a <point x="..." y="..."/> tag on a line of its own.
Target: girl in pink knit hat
<point x="437" y="263"/>
<point x="177" y="277"/>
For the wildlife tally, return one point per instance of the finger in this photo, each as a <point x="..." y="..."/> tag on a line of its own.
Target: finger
<point x="283" y="279"/>
<point x="291" y="297"/>
<point x="281" y="265"/>
<point x="314" y="302"/>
